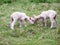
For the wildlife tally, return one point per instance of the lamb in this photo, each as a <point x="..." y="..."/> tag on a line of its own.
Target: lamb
<point x="51" y="14"/>
<point x="22" y="17"/>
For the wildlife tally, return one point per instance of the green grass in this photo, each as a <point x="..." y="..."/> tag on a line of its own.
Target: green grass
<point x="32" y="34"/>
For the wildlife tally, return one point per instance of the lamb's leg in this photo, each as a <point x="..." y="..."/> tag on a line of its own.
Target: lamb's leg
<point x="22" y="23"/>
<point x="12" y="24"/>
<point x="53" y="23"/>
<point x="45" y="22"/>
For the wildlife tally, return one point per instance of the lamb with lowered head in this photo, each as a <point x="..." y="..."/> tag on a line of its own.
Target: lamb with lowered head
<point x="22" y="17"/>
<point x="51" y="14"/>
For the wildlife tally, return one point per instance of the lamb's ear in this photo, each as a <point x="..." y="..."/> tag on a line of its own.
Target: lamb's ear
<point x="30" y="18"/>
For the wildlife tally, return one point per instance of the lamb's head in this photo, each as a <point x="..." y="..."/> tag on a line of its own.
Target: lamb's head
<point x="34" y="19"/>
<point x="30" y="19"/>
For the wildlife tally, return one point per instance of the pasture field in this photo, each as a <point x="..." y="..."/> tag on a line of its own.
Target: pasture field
<point x="32" y="34"/>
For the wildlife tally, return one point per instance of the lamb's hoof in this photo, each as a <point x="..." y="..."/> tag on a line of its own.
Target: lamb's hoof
<point x="53" y="27"/>
<point x="12" y="28"/>
<point x="20" y="26"/>
<point x="25" y="25"/>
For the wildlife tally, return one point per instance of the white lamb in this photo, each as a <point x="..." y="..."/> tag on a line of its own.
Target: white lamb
<point x="51" y="14"/>
<point x="22" y="17"/>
